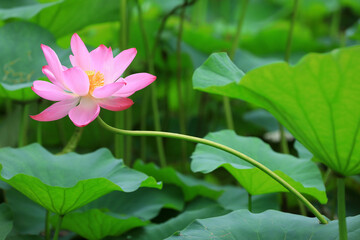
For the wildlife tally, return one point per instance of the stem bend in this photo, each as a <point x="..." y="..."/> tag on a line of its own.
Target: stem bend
<point x="226" y="149"/>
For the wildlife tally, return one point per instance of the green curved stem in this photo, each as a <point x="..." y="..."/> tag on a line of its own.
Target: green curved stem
<point x="58" y="227"/>
<point x="341" y="208"/>
<point x="238" y="154"/>
<point x="72" y="144"/>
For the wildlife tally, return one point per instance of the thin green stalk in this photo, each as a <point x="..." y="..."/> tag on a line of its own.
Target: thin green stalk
<point x="335" y="22"/>
<point x="226" y="100"/>
<point x="341" y="208"/>
<point x="291" y="31"/>
<point x="72" y="143"/>
<point x="128" y="145"/>
<point x="119" y="141"/>
<point x="327" y="176"/>
<point x="47" y="225"/>
<point x="283" y="140"/>
<point x="24" y="125"/>
<point x="199" y="12"/>
<point x="224" y="148"/>
<point x="153" y="93"/>
<point x="228" y="113"/>
<point x="240" y="24"/>
<point x="58" y="227"/>
<point x="249" y="202"/>
<point x="159" y="141"/>
<point x="144" y="110"/>
<point x="144" y="105"/>
<point x="182" y="110"/>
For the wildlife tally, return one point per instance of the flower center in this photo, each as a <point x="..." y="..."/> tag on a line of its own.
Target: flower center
<point x="95" y="79"/>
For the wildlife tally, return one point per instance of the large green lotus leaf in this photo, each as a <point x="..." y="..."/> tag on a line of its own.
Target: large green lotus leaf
<point x="62" y="183"/>
<point x="199" y="208"/>
<point x="271" y="224"/>
<point x="118" y="212"/>
<point x="6" y="222"/>
<point x="235" y="198"/>
<point x="28" y="216"/>
<point x="218" y="75"/>
<point x="98" y="223"/>
<point x="316" y="100"/>
<point x="190" y="186"/>
<point x="21" y="60"/>
<point x="302" y="174"/>
<point x="24" y="9"/>
<point x="76" y="15"/>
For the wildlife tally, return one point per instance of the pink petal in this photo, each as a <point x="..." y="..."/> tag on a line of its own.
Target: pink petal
<point x="85" y="112"/>
<point x="77" y="81"/>
<point x="122" y="61"/>
<point x="115" y="103"/>
<point x="50" y="75"/>
<point x="107" y="90"/>
<point x="81" y="56"/>
<point x="102" y="59"/>
<point x="134" y="83"/>
<point x="54" y="65"/>
<point x="56" y="111"/>
<point x="50" y="91"/>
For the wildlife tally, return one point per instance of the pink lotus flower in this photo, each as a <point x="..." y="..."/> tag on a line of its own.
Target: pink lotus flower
<point x="94" y="81"/>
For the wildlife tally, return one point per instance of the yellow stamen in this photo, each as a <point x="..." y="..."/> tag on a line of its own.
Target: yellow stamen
<point x="95" y="79"/>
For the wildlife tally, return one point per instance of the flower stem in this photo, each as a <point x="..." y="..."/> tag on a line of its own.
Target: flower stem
<point x="159" y="141"/>
<point x="24" y="125"/>
<point x="341" y="208"/>
<point x="248" y="159"/>
<point x="119" y="141"/>
<point x="234" y="47"/>
<point x="58" y="227"/>
<point x="283" y="141"/>
<point x="240" y="24"/>
<point x="128" y="146"/>
<point x="291" y="31"/>
<point x="182" y="110"/>
<point x="153" y="93"/>
<point x="144" y="105"/>
<point x="47" y="225"/>
<point x="72" y="144"/>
